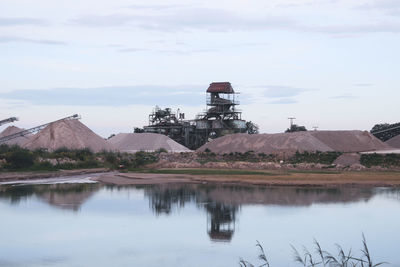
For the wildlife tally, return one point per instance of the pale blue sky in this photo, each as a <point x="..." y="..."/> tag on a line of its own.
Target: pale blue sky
<point x="330" y="63"/>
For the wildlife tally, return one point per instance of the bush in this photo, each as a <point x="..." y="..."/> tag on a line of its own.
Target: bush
<point x="161" y="150"/>
<point x="20" y="159"/>
<point x="43" y="166"/>
<point x="143" y="158"/>
<point x="383" y="160"/>
<point x="315" y="157"/>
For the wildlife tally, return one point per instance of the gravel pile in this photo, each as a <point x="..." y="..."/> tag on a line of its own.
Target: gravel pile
<point x="133" y="142"/>
<point x="344" y="141"/>
<point x="349" y="141"/>
<point x="71" y="134"/>
<point x="16" y="141"/>
<point x="394" y="142"/>
<point x="348" y="159"/>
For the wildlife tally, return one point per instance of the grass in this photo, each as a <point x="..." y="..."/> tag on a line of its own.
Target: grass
<point x="315" y="171"/>
<point x="322" y="257"/>
<point x="204" y="172"/>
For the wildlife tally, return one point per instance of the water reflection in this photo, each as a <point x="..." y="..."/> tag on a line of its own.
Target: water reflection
<point x="221" y="221"/>
<point x="64" y="196"/>
<point x="221" y="203"/>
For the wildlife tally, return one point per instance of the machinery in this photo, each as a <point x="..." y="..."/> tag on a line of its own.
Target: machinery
<point x="220" y="118"/>
<point x="9" y="120"/>
<point x="35" y="129"/>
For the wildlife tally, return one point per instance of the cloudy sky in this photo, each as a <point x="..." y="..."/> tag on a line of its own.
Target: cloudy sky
<point x="329" y="63"/>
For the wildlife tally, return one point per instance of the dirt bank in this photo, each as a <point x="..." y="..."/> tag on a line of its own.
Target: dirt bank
<point x="263" y="178"/>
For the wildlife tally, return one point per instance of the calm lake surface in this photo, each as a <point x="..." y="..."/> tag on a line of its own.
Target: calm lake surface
<point x="190" y="225"/>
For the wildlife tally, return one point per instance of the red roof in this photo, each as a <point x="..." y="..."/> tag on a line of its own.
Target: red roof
<point x="221" y="87"/>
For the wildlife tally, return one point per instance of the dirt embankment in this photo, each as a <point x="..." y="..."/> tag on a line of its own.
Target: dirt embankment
<point x="271" y="178"/>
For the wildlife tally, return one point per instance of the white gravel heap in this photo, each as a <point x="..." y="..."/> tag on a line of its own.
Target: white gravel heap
<point x="21" y="140"/>
<point x="71" y="134"/>
<point x="344" y="141"/>
<point x="133" y="142"/>
<point x="394" y="142"/>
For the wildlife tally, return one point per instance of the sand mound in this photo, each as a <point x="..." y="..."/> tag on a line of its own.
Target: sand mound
<point x="16" y="141"/>
<point x="133" y="142"/>
<point x="394" y="142"/>
<point x="71" y="134"/>
<point x="348" y="159"/>
<point x="266" y="143"/>
<point x="349" y="141"/>
<point x="345" y="141"/>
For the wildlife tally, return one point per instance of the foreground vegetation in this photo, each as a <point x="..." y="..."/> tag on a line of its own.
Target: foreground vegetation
<point x="382" y="160"/>
<point x="322" y="257"/>
<point x="251" y="156"/>
<point x="15" y="158"/>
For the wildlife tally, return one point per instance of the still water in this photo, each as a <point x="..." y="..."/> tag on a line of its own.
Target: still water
<point x="190" y="225"/>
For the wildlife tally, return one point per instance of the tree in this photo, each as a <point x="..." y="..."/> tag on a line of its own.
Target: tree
<point x="386" y="131"/>
<point x="138" y="130"/>
<point x="296" y="128"/>
<point x="20" y="159"/>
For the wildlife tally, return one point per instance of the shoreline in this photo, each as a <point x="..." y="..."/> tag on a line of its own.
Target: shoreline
<point x="30" y="175"/>
<point x="309" y="178"/>
<point x="271" y="178"/>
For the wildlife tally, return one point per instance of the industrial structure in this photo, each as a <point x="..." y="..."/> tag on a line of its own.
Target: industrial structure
<point x="221" y="117"/>
<point x="9" y="120"/>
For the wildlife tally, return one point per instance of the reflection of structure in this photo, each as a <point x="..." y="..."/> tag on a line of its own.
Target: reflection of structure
<point x="220" y="118"/>
<point x="163" y="200"/>
<point x="221" y="221"/>
<point x="223" y="202"/>
<point x="64" y="196"/>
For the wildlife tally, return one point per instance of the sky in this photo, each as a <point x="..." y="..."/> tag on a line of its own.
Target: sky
<point x="331" y="64"/>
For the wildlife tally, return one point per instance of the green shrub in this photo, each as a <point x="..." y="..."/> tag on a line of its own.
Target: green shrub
<point x="314" y="157"/>
<point x="20" y="159"/>
<point x="383" y="160"/>
<point x="161" y="150"/>
<point x="43" y="166"/>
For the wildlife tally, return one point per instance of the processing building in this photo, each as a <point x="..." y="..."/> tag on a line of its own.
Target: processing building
<point x="220" y="117"/>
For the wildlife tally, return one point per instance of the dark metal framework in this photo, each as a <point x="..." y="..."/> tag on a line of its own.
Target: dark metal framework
<point x="221" y="117"/>
<point x="9" y="120"/>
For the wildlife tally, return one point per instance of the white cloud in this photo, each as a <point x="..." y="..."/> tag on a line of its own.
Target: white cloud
<point x="16" y="21"/>
<point x="16" y="39"/>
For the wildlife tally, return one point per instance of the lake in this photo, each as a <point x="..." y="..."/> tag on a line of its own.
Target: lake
<point x="88" y="224"/>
